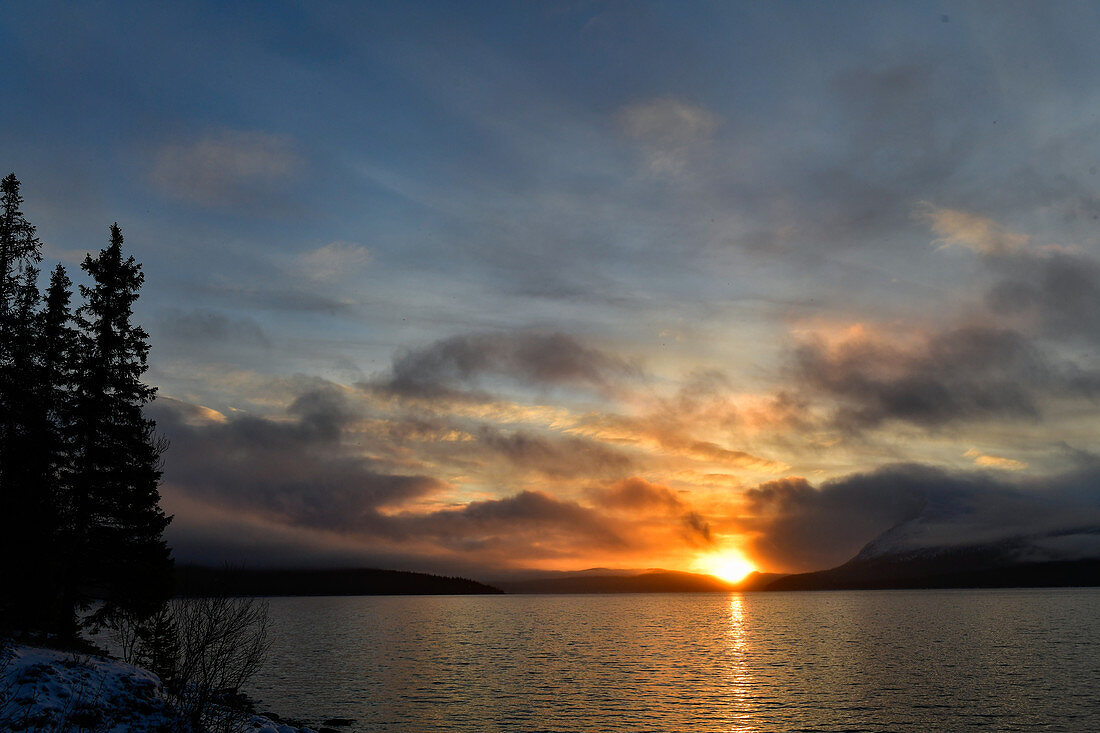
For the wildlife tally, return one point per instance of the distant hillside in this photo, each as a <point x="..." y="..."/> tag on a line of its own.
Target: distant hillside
<point x="892" y="560"/>
<point x="949" y="570"/>
<point x="193" y="580"/>
<point x="651" y="581"/>
<point x="1058" y="573"/>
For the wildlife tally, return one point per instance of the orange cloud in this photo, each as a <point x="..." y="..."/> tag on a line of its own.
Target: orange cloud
<point x="998" y="462"/>
<point x="972" y="231"/>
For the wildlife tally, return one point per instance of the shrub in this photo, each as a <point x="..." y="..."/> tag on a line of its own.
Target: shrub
<point x="219" y="644"/>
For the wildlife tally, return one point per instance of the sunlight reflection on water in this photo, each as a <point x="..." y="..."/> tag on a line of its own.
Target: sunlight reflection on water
<point x="829" y="661"/>
<point x="738" y="671"/>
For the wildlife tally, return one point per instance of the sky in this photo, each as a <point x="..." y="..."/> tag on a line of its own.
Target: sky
<point x="483" y="288"/>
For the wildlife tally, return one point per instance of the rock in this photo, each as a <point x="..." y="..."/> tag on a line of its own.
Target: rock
<point x="340" y="722"/>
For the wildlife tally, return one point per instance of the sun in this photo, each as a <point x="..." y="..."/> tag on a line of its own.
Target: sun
<point x="731" y="566"/>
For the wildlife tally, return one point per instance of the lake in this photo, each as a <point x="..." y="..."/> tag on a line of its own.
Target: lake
<point x="817" y="661"/>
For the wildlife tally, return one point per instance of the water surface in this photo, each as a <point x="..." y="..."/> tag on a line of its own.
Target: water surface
<point x="820" y="661"/>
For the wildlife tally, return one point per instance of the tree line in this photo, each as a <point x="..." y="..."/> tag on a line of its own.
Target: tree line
<point x="80" y="464"/>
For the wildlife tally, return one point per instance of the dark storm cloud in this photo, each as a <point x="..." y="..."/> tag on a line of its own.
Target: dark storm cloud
<point x="799" y="527"/>
<point x="538" y="359"/>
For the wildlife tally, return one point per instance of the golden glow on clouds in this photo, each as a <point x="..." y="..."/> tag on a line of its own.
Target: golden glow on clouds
<point x="685" y="445"/>
<point x="978" y="233"/>
<point x="206" y="414"/>
<point x="988" y="461"/>
<point x="656" y="472"/>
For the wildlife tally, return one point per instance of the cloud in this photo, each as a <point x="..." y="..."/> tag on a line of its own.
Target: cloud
<point x="999" y="462"/>
<point x="698" y="529"/>
<point x="323" y="472"/>
<point x="671" y="436"/>
<point x="890" y="143"/>
<point x="527" y="358"/>
<point x="1013" y="360"/>
<point x="265" y="296"/>
<point x="300" y="471"/>
<point x="207" y="534"/>
<point x="228" y="169"/>
<point x="323" y="412"/>
<point x="1058" y="287"/>
<point x="203" y="326"/>
<point x="667" y="129"/>
<point x="707" y="451"/>
<point x="190" y="414"/>
<point x="311" y="474"/>
<point x="797" y="527"/>
<point x="960" y="374"/>
<point x="1059" y="291"/>
<point x="974" y="232"/>
<point x="635" y="494"/>
<point x="527" y="518"/>
<point x="703" y="405"/>
<point x="334" y="261"/>
<point x="558" y="457"/>
<point x="667" y="121"/>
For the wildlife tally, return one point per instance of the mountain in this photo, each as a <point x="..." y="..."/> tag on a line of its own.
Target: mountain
<point x="931" y="552"/>
<point x="194" y="580"/>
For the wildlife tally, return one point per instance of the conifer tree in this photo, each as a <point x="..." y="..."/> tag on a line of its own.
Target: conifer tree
<point x="118" y="550"/>
<point x="53" y="448"/>
<point x="27" y="520"/>
<point x="18" y="246"/>
<point x="79" y="462"/>
<point x="19" y="253"/>
<point x="57" y="352"/>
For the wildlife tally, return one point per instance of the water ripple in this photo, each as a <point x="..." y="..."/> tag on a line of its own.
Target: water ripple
<point x="831" y="661"/>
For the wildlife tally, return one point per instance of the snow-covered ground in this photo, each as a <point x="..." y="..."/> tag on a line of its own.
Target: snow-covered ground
<point x="49" y="690"/>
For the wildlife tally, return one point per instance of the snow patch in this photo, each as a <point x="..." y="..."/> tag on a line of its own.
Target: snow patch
<point x="47" y="689"/>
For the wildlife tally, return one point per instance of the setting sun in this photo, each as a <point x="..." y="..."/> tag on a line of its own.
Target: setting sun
<point x="730" y="566"/>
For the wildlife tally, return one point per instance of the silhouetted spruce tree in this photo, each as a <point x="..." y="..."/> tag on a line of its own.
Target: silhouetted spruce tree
<point x="19" y="253"/>
<point x="27" y="517"/>
<point x="57" y="351"/>
<point x="118" y="552"/>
